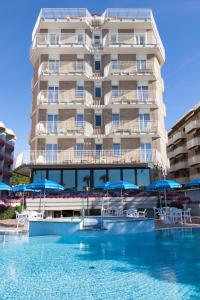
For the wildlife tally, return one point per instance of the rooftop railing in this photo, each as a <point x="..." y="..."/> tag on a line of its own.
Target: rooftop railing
<point x="69" y="157"/>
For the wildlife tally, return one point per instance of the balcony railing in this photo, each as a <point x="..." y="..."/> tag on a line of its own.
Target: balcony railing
<point x="69" y="157"/>
<point x="192" y="125"/>
<point x="60" y="127"/>
<point x="131" y="39"/>
<point x="56" y="39"/>
<point x="129" y="128"/>
<point x="63" y="68"/>
<point x="131" y="97"/>
<point x="194" y="142"/>
<point x="129" y="67"/>
<point x="194" y="160"/>
<point x="61" y="96"/>
<point x="178" y="136"/>
<point x="179" y="165"/>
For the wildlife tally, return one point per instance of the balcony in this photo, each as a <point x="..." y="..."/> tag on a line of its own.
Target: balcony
<point x="87" y="157"/>
<point x="178" y="136"/>
<point x="63" y="128"/>
<point x="130" y="68"/>
<point x="179" y="165"/>
<point x="129" y="128"/>
<point x="60" y="69"/>
<point x="131" y="97"/>
<point x="192" y="125"/>
<point x="194" y="160"/>
<point x="194" y="142"/>
<point x="61" y="97"/>
<point x="180" y="150"/>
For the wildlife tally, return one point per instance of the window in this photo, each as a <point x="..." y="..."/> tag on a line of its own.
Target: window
<point x="129" y="175"/>
<point x="116" y="149"/>
<point x="97" y="37"/>
<point x="53" y="66"/>
<point x="113" y="38"/>
<point x="143" y="177"/>
<point x="97" y="64"/>
<point x="141" y="65"/>
<point x="80" y="91"/>
<point x="52" y="125"/>
<point x="115" y="91"/>
<point x="55" y="175"/>
<point x="144" y="121"/>
<point x="140" y="38"/>
<point x="79" y="65"/>
<point x="114" y="64"/>
<point x="114" y="175"/>
<point x="80" y="38"/>
<point x="54" y="38"/>
<point x="69" y="179"/>
<point x="99" y="177"/>
<point x="146" y="152"/>
<point x="97" y="120"/>
<point x="98" y="149"/>
<point x="143" y="92"/>
<point x="51" y="153"/>
<point x="97" y="91"/>
<point x="115" y="119"/>
<point x="79" y="119"/>
<point x="79" y="149"/>
<point x="83" y="179"/>
<point x="53" y="94"/>
<point x="39" y="175"/>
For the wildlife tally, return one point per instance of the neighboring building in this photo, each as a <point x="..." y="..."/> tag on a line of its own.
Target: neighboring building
<point x="184" y="147"/>
<point x="97" y="109"/>
<point x="7" y="143"/>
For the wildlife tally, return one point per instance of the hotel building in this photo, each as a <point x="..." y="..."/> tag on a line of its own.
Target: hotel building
<point x="184" y="147"/>
<point x="97" y="108"/>
<point x="7" y="142"/>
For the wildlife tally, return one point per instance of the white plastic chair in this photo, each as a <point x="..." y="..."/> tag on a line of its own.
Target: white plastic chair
<point x="21" y="218"/>
<point x="187" y="215"/>
<point x="132" y="213"/>
<point x="142" y="213"/>
<point x="34" y="215"/>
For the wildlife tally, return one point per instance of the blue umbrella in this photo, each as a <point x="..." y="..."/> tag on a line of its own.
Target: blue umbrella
<point x="21" y="188"/>
<point x="5" y="187"/>
<point x="103" y="186"/>
<point x="45" y="185"/>
<point x="164" y="185"/>
<point x="122" y="185"/>
<point x="193" y="182"/>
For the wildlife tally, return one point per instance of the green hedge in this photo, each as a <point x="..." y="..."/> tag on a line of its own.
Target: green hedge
<point x="9" y="212"/>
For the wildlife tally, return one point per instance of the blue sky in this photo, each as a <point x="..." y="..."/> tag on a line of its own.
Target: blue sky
<point x="178" y="22"/>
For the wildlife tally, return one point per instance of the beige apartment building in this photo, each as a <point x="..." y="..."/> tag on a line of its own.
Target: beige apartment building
<point x="97" y="108"/>
<point x="7" y="143"/>
<point x="184" y="147"/>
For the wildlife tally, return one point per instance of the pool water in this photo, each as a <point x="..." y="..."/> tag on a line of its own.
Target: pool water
<point x="157" y="265"/>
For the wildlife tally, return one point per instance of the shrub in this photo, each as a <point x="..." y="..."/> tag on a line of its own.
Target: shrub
<point x="9" y="212"/>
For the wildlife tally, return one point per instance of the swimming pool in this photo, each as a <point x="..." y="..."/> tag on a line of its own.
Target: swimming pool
<point x="163" y="264"/>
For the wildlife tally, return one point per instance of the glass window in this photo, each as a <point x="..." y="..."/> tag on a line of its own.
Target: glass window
<point x="97" y="37"/>
<point x="79" y="149"/>
<point x="52" y="124"/>
<point x="114" y="64"/>
<point x="115" y="119"/>
<point x="141" y="65"/>
<point x="97" y="91"/>
<point x="143" y="92"/>
<point x="53" y="66"/>
<point x="83" y="179"/>
<point x="80" y="91"/>
<point x="113" y="38"/>
<point x="146" y="152"/>
<point x="129" y="175"/>
<point x="80" y="38"/>
<point x="116" y="149"/>
<point x="114" y="175"/>
<point x="97" y="65"/>
<point x="99" y="177"/>
<point x="53" y="94"/>
<point x="55" y="175"/>
<point x="144" y="121"/>
<point x="97" y="120"/>
<point x="51" y="153"/>
<point x="53" y="39"/>
<point x="115" y="91"/>
<point x="143" y="177"/>
<point x="69" y="179"/>
<point x="140" y="39"/>
<point x="79" y="119"/>
<point x="39" y="175"/>
<point x="79" y="65"/>
<point x="98" y="149"/>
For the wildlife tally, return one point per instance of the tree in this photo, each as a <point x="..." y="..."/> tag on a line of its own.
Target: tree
<point x="19" y="179"/>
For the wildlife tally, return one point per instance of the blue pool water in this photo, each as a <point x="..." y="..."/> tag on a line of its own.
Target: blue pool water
<point x="157" y="265"/>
